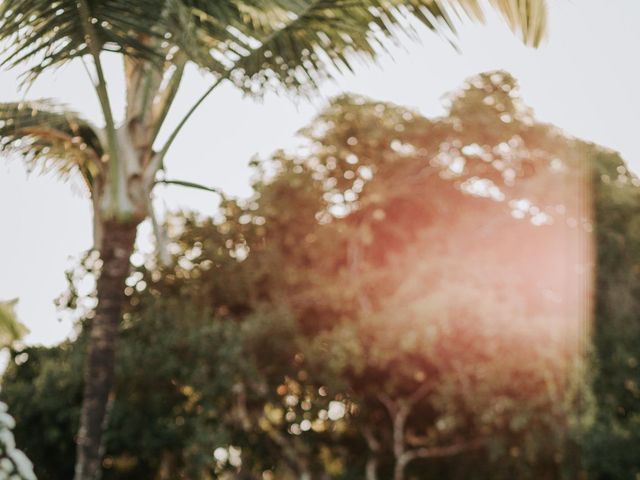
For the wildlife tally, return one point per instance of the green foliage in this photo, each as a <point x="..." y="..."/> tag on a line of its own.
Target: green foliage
<point x="292" y="42"/>
<point x="13" y="463"/>
<point x="10" y="328"/>
<point x="406" y="289"/>
<point x="46" y="382"/>
<point x="42" y="34"/>
<point x="49" y="137"/>
<point x="611" y="451"/>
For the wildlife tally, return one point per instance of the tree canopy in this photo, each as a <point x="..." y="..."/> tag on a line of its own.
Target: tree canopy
<point x="401" y="297"/>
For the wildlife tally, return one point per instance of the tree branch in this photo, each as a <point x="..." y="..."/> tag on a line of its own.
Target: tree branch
<point x="293" y="456"/>
<point x="399" y="410"/>
<point x="420" y="393"/>
<point x="446" y="451"/>
<point x="197" y="186"/>
<point x="374" y="449"/>
<point x="161" y="237"/>
<point x="103" y="96"/>
<point x="165" y="100"/>
<point x="227" y="75"/>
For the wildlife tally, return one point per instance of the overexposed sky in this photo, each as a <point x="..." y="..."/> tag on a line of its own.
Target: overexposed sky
<point x="585" y="79"/>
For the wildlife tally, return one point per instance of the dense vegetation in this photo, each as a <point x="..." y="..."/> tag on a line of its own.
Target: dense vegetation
<point x="258" y="46"/>
<point x="13" y="462"/>
<point x="402" y="298"/>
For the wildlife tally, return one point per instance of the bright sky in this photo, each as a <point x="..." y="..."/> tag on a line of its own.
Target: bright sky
<point x="584" y="79"/>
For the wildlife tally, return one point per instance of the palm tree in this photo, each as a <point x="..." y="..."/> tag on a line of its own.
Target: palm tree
<point x="256" y="44"/>
<point x="11" y="329"/>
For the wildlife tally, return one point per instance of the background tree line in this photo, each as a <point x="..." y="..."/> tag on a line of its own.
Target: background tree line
<point x="402" y="298"/>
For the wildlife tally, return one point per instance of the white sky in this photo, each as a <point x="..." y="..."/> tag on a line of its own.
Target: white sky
<point x="584" y="79"/>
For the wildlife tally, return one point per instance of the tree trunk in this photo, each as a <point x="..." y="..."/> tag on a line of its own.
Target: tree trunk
<point x="117" y="243"/>
<point x="371" y="469"/>
<point x="398" y="470"/>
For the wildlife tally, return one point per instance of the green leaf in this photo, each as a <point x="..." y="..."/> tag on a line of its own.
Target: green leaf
<point x="49" y="137"/>
<point x="10" y="328"/>
<point x="44" y="33"/>
<point x="298" y="43"/>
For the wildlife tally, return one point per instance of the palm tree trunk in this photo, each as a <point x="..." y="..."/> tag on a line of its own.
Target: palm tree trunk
<point x="117" y="243"/>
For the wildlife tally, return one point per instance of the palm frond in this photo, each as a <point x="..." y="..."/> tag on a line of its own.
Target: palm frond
<point x="10" y="328"/>
<point x="527" y="18"/>
<point x="296" y="43"/>
<point x="292" y="42"/>
<point x="39" y="34"/>
<point x="50" y="138"/>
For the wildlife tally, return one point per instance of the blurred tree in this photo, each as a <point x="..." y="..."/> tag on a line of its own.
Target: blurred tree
<point x="46" y="404"/>
<point x="419" y="303"/>
<point x="610" y="446"/>
<point x="288" y="43"/>
<point x="10" y="328"/>
<point x="13" y="463"/>
<point x="504" y="262"/>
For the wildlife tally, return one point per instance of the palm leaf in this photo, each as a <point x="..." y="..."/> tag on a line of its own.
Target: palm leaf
<point x="51" y="138"/>
<point x="10" y="328"/>
<point x="293" y="42"/>
<point x="39" y="34"/>
<point x="527" y="18"/>
<point x="296" y="43"/>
